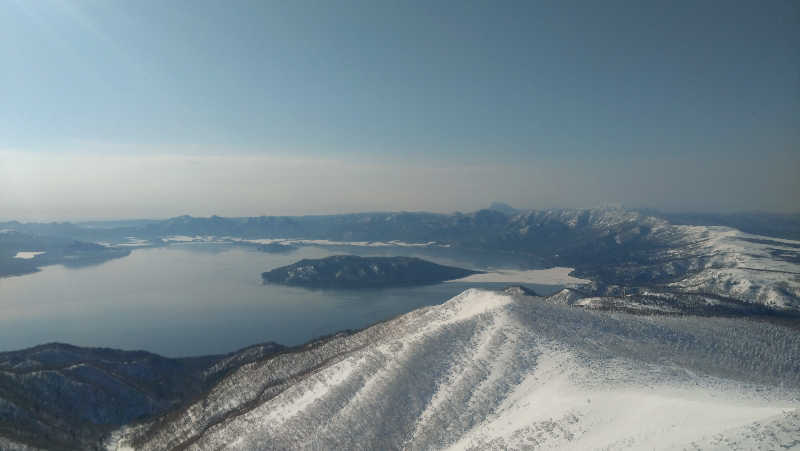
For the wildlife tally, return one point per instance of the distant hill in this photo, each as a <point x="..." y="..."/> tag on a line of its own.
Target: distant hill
<point x="778" y="225"/>
<point x="49" y="250"/>
<point x="350" y="271"/>
<point x="503" y="207"/>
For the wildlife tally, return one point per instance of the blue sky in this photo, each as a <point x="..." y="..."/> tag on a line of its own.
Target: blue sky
<point x="562" y="85"/>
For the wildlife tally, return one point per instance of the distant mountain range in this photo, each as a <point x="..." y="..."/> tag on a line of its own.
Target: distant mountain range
<point x="616" y="248"/>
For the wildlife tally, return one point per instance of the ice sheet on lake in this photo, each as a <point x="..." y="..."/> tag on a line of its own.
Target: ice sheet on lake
<point x="551" y="276"/>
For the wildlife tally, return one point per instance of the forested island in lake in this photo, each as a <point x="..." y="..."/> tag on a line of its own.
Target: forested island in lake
<point x="350" y="271"/>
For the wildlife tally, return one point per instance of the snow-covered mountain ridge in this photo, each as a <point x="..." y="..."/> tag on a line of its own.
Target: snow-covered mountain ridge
<point x="489" y="370"/>
<point x="627" y="249"/>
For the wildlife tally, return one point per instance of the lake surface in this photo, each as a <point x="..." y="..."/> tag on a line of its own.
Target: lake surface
<point x="194" y="299"/>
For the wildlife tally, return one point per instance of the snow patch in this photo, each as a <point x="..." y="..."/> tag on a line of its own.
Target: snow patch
<point x="28" y="255"/>
<point x="297" y="241"/>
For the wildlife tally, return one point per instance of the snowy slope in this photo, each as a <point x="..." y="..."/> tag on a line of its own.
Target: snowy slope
<point x="747" y="267"/>
<point x="491" y="370"/>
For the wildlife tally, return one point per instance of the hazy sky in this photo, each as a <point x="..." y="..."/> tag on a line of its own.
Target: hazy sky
<point x="158" y="108"/>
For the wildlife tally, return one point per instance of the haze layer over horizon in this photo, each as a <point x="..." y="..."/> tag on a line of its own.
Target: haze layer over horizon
<point x="154" y="109"/>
